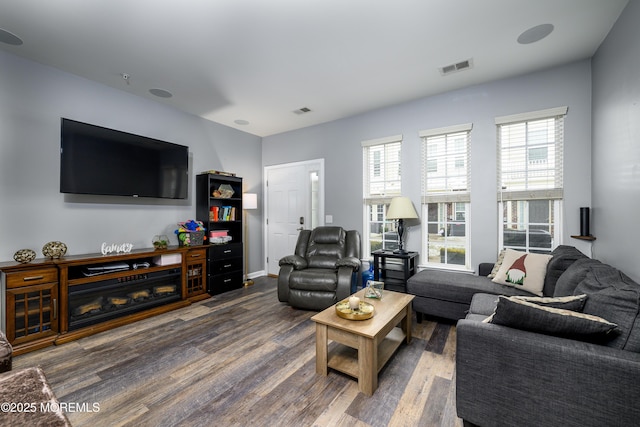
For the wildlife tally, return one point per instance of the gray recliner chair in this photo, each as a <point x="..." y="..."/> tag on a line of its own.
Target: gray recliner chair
<point x="324" y="269"/>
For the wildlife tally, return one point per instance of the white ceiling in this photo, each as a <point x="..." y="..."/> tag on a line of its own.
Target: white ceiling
<point x="259" y="60"/>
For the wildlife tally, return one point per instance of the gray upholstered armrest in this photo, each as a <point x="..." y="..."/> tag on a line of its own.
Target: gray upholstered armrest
<point x="349" y="261"/>
<point x="507" y="377"/>
<point x="484" y="268"/>
<point x="296" y="261"/>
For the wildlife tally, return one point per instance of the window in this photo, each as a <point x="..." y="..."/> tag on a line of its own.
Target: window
<point x="382" y="182"/>
<point x="446" y="195"/>
<point x="530" y="188"/>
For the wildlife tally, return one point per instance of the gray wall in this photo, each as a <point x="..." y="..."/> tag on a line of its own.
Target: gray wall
<point x="338" y="143"/>
<point x="33" y="211"/>
<point x="616" y="144"/>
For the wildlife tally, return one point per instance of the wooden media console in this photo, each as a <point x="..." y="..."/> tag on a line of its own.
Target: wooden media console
<point x="53" y="301"/>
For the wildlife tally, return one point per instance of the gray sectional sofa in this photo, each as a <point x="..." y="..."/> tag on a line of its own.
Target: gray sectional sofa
<point x="536" y="371"/>
<point x="448" y="294"/>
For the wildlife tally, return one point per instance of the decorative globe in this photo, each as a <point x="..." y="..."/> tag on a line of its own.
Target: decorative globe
<point x="24" y="256"/>
<point x="54" y="249"/>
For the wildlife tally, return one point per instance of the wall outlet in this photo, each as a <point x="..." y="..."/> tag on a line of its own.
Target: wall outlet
<point x="328" y="219"/>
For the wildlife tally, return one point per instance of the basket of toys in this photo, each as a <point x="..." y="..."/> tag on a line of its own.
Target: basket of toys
<point x="190" y="233"/>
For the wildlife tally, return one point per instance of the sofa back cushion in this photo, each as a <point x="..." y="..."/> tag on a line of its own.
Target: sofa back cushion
<point x="615" y="297"/>
<point x="571" y="278"/>
<point x="563" y="257"/>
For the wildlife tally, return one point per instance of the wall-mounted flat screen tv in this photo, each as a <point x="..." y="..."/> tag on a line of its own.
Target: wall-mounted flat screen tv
<point x="100" y="161"/>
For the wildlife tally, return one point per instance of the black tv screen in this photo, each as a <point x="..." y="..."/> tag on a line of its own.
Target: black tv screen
<point x="100" y="161"/>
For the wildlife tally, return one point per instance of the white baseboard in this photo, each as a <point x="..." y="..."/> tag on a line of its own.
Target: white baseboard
<point x="257" y="274"/>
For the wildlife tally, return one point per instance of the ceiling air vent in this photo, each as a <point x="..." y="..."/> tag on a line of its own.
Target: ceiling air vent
<point x="302" y="110"/>
<point x="463" y="65"/>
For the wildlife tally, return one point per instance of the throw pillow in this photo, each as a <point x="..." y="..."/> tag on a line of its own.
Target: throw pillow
<point x="572" y="302"/>
<point x="497" y="265"/>
<point x="523" y="270"/>
<point x="528" y="316"/>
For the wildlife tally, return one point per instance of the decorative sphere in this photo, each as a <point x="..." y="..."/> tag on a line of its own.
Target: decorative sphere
<point x="24" y="256"/>
<point x="54" y="249"/>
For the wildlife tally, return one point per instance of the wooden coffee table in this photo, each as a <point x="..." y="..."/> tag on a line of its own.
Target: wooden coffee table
<point x="367" y="345"/>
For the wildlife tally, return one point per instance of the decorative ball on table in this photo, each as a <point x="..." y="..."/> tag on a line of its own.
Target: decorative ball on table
<point x="54" y="249"/>
<point x="24" y="255"/>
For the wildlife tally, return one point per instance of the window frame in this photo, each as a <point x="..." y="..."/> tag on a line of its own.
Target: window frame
<point x="447" y="199"/>
<point x="539" y="181"/>
<point x="392" y="187"/>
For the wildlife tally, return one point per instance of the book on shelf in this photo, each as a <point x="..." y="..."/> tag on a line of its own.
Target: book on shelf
<point x="222" y="213"/>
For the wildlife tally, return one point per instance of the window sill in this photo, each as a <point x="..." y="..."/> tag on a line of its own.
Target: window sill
<point x="444" y="267"/>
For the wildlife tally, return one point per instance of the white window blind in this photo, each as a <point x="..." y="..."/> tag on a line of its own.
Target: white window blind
<point x="381" y="182"/>
<point x="445" y="164"/>
<point x="446" y="196"/>
<point x="530" y="163"/>
<point x="381" y="168"/>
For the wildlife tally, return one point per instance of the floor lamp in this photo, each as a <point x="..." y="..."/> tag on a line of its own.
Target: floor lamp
<point x="249" y="201"/>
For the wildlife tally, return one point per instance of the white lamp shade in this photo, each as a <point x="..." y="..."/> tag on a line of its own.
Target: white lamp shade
<point x="401" y="208"/>
<point x="250" y="201"/>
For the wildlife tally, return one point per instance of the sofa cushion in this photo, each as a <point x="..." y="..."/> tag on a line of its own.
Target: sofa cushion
<point x="454" y="286"/>
<point x="563" y="257"/>
<point x="572" y="277"/>
<point x="518" y="313"/>
<point x="483" y="304"/>
<point x="476" y="317"/>
<point x="523" y="270"/>
<point x="616" y="297"/>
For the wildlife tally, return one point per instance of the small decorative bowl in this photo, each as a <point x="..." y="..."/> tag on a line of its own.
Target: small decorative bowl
<point x="24" y="256"/>
<point x="365" y="310"/>
<point x="54" y="249"/>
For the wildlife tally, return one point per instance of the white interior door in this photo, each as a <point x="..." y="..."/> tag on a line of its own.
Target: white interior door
<point x="294" y="201"/>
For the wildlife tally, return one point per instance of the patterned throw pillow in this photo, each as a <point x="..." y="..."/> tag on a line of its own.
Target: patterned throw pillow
<point x="497" y="265"/>
<point x="523" y="270"/>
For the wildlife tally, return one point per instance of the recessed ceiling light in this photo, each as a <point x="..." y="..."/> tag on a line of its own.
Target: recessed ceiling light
<point x="161" y="93"/>
<point x="535" y="34"/>
<point x="241" y="122"/>
<point x="9" y="38"/>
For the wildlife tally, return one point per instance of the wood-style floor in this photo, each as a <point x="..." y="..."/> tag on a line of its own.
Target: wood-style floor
<point x="243" y="359"/>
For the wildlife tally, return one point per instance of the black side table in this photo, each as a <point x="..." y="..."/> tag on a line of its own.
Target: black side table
<point x="394" y="269"/>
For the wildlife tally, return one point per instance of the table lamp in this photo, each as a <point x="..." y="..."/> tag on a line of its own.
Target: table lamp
<point x="401" y="208"/>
